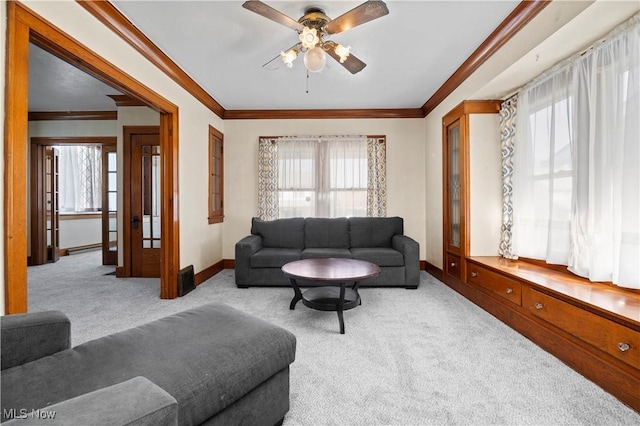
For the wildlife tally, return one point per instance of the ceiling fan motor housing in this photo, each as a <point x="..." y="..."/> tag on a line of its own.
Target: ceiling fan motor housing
<point x="314" y="18"/>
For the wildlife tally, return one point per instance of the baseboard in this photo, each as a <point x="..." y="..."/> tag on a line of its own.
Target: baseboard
<point x="229" y="263"/>
<point x="120" y="272"/>
<point x="207" y="273"/>
<point x="433" y="270"/>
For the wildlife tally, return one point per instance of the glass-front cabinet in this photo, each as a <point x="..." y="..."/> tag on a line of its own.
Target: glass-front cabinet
<point x="456" y="139"/>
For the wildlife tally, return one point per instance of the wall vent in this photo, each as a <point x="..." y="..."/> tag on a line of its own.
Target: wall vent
<point x="186" y="280"/>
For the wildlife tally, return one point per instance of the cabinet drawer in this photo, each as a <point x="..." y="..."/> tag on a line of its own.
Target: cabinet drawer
<point x="613" y="338"/>
<point x="499" y="284"/>
<point x="453" y="265"/>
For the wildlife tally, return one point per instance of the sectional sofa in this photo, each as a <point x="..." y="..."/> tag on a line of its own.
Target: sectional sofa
<point x="380" y="240"/>
<point x="211" y="365"/>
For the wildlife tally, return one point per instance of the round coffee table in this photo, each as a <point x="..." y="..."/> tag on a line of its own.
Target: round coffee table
<point x="335" y="273"/>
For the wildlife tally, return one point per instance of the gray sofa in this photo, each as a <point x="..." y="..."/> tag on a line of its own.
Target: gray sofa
<point x="210" y="365"/>
<point x="380" y="240"/>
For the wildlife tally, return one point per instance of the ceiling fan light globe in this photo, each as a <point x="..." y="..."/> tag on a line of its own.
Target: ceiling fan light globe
<point x="315" y="59"/>
<point x="343" y="52"/>
<point x="309" y="38"/>
<point x="288" y="57"/>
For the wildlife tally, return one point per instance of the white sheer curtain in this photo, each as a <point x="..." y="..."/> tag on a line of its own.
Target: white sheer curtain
<point x="576" y="197"/>
<point x="80" y="178"/>
<point x="322" y="176"/>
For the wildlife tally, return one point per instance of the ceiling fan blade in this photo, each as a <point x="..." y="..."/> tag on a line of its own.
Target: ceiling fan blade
<point x="367" y="11"/>
<point x="352" y="64"/>
<point x="271" y="13"/>
<point x="295" y="46"/>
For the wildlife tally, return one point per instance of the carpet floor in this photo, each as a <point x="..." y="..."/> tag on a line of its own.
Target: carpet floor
<point x="409" y="357"/>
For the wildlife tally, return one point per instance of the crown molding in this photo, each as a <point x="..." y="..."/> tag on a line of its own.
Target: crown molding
<point x="111" y="17"/>
<point x="72" y="115"/>
<point x="321" y="114"/>
<point x="521" y="15"/>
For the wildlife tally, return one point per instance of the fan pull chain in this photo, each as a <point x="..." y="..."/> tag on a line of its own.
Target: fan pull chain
<point x="307" y="81"/>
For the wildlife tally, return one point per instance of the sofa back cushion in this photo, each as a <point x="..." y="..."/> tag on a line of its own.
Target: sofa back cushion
<point x="280" y="233"/>
<point x="322" y="232"/>
<point x="374" y="231"/>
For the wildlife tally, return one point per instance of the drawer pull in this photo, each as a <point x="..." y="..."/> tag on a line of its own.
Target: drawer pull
<point x="453" y="264"/>
<point x="624" y="346"/>
<point x="539" y="306"/>
<point x="474" y="274"/>
<point x="509" y="290"/>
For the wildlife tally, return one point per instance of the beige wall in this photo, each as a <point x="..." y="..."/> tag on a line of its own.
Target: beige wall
<point x="405" y="168"/>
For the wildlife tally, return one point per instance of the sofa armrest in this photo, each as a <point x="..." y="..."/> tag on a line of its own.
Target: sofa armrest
<point x="244" y="249"/>
<point x="410" y="249"/>
<point x="135" y="402"/>
<point x="27" y="337"/>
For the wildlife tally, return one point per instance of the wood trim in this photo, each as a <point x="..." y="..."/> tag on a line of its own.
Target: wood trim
<point x="15" y="161"/>
<point x="432" y="270"/>
<point x="72" y="115"/>
<point x="111" y="17"/>
<point x="207" y="273"/>
<point x="24" y="26"/>
<point x="75" y="140"/>
<point x="229" y="263"/>
<point x="321" y="114"/>
<point x="120" y="272"/>
<point x="513" y="23"/>
<point x="126" y="101"/>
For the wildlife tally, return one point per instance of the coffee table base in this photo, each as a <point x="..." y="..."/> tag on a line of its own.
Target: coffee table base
<point x="328" y="298"/>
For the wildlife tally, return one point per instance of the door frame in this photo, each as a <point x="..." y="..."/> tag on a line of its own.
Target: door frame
<point x="36" y="232"/>
<point x="25" y="26"/>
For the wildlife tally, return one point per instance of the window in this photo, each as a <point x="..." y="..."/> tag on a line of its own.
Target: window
<point x="80" y="178"/>
<point x="576" y="169"/>
<point x="216" y="169"/>
<point x="327" y="176"/>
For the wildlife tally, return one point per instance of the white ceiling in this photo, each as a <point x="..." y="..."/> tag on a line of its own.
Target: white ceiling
<point x="409" y="54"/>
<point x="404" y="77"/>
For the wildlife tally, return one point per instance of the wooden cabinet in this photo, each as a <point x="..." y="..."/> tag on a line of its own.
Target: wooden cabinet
<point x="605" y="335"/>
<point x="458" y="135"/>
<point x="499" y="285"/>
<point x="594" y="328"/>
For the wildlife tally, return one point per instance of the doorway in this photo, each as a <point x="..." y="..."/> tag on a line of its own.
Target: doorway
<point x="23" y="27"/>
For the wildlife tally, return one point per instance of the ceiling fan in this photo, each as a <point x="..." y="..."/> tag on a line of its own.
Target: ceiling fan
<point x="314" y="29"/>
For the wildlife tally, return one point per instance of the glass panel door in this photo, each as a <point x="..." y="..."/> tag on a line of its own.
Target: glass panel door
<point x="454" y="184"/>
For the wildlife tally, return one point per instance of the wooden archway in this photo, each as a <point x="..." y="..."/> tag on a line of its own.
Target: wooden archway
<point x="23" y="27"/>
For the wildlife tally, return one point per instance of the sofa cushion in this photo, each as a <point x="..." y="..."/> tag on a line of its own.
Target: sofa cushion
<point x="374" y="231"/>
<point x="381" y="256"/>
<point x="320" y="232"/>
<point x="273" y="257"/>
<point x="315" y="253"/>
<point x="280" y="233"/>
<point x="206" y="358"/>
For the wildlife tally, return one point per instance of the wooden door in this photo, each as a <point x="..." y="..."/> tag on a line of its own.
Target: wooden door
<point x="52" y="212"/>
<point x="45" y="216"/>
<point x="145" y="206"/>
<point x="109" y="205"/>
